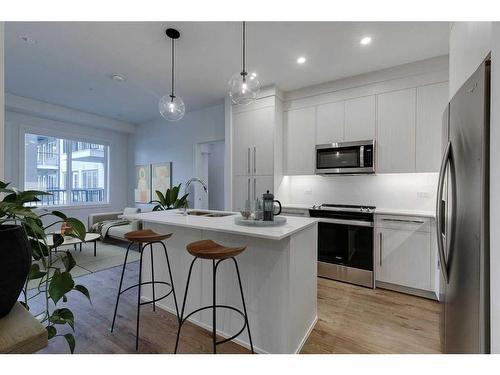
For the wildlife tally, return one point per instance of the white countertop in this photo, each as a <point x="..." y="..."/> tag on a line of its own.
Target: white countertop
<point x="404" y="212"/>
<point x="225" y="224"/>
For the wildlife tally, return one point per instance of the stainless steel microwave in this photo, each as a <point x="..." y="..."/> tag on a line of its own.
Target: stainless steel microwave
<point x="346" y="158"/>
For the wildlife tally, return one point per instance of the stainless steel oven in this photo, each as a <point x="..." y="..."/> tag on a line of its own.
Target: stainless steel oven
<point x="345" y="243"/>
<point x="346" y="158"/>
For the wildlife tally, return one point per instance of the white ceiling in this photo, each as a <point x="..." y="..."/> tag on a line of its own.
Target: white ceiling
<point x="69" y="64"/>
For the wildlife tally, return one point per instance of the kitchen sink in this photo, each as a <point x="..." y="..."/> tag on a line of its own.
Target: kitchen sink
<point x="206" y="213"/>
<point x="197" y="213"/>
<point x="215" y="214"/>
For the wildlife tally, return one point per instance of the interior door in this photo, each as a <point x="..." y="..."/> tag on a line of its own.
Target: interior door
<point x="467" y="322"/>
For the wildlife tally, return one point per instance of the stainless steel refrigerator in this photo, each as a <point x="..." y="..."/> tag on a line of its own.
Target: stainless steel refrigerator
<point x="462" y="211"/>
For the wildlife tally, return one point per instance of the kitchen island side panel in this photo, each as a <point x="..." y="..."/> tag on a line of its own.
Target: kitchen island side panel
<point x="276" y="321"/>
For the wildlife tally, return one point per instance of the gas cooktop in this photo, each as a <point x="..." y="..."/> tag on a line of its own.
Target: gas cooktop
<point x="344" y="207"/>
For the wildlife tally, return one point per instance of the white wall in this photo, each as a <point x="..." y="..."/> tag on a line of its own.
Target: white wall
<point x="470" y="43"/>
<point x="161" y="141"/>
<point x="397" y="191"/>
<point x="16" y="123"/>
<point x="2" y="126"/>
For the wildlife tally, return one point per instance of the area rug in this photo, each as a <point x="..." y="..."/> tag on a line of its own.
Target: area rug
<point x="109" y="254"/>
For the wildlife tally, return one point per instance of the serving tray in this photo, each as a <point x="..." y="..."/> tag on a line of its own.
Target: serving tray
<point x="278" y="220"/>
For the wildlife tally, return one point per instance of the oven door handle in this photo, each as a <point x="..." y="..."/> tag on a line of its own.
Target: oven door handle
<point x="357" y="223"/>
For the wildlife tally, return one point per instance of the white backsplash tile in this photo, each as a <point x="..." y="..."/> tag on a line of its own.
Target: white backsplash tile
<point x="399" y="190"/>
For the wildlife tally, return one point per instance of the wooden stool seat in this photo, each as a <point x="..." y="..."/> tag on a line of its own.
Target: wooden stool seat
<point x="208" y="249"/>
<point x="146" y="235"/>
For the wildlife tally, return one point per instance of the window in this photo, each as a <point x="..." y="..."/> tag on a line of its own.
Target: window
<point x="52" y="164"/>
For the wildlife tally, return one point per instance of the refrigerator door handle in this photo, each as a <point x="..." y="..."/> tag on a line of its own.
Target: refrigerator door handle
<point x="439" y="219"/>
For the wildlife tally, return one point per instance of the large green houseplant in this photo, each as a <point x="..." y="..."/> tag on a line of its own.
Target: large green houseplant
<point x="23" y="238"/>
<point x="170" y="200"/>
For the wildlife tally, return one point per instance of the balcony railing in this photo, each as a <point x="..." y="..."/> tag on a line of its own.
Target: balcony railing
<point x="60" y="196"/>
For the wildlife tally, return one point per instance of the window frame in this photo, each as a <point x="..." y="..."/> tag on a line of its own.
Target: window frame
<point x="67" y="137"/>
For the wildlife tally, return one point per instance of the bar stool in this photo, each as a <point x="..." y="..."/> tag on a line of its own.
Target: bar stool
<point x="145" y="238"/>
<point x="208" y="249"/>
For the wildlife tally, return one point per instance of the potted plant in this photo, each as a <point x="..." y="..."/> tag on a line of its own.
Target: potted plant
<point x="23" y="238"/>
<point x="170" y="200"/>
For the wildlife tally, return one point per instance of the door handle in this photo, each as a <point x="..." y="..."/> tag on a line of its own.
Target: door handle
<point x="254" y="188"/>
<point x="439" y="219"/>
<point x="380" y="249"/>
<point x="254" y="159"/>
<point x="404" y="221"/>
<point x="248" y="189"/>
<point x="248" y="161"/>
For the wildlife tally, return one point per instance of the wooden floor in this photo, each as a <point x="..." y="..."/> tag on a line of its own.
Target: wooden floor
<point x="350" y="320"/>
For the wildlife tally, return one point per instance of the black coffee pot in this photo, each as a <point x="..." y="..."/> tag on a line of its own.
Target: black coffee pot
<point x="268" y="207"/>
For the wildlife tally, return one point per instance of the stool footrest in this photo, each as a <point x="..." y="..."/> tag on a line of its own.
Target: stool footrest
<point x="145" y="283"/>
<point x="223" y="307"/>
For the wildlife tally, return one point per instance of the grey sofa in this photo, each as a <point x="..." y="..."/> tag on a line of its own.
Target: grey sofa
<point x="118" y="232"/>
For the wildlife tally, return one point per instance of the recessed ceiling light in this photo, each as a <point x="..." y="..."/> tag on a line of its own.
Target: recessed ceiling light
<point x="26" y="39"/>
<point x="301" y="60"/>
<point x="118" y="77"/>
<point x="366" y="40"/>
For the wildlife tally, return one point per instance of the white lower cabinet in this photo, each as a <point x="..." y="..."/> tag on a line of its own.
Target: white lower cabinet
<point x="404" y="257"/>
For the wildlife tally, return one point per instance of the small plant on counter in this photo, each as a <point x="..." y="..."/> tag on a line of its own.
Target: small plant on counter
<point x="23" y="238"/>
<point x="170" y="200"/>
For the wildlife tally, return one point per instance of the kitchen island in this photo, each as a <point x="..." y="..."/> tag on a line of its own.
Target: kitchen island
<point x="278" y="271"/>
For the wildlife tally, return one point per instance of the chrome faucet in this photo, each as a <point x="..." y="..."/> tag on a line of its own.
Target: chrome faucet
<point x="186" y="187"/>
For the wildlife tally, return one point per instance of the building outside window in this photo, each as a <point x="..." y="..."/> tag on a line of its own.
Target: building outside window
<point x="51" y="161"/>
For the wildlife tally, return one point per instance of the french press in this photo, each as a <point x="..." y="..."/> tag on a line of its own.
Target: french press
<point x="268" y="206"/>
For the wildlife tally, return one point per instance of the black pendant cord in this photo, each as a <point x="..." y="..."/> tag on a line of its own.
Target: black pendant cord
<point x="173" y="62"/>
<point x="244" y="48"/>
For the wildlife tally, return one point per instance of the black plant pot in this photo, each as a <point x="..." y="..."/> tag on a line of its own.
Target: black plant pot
<point x="15" y="262"/>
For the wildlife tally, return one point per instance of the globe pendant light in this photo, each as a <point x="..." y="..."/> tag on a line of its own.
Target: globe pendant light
<point x="172" y="107"/>
<point x="243" y="88"/>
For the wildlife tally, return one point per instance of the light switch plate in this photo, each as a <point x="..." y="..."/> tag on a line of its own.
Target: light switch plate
<point x="423" y="194"/>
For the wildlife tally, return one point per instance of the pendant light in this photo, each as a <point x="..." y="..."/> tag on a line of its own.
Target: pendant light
<point x="243" y="88"/>
<point x="172" y="107"/>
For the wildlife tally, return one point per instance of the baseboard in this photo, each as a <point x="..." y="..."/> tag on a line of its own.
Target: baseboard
<point x="407" y="290"/>
<point x="306" y="336"/>
<point x="209" y="328"/>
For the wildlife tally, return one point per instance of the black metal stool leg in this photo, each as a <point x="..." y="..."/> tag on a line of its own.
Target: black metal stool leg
<point x="153" y="276"/>
<point x="139" y="300"/>
<point x="171" y="281"/>
<point x="243" y="301"/>
<point x="184" y="305"/>
<point x="214" y="329"/>
<point x="120" y="287"/>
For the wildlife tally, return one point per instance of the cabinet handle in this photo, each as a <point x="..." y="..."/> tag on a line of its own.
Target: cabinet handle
<point x="404" y="221"/>
<point x="380" y="249"/>
<point x="248" y="189"/>
<point x="248" y="162"/>
<point x="254" y="159"/>
<point x="254" y="188"/>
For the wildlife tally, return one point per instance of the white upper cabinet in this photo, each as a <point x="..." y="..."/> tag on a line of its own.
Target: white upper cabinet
<point x="396" y="132"/>
<point x="299" y="145"/>
<point x="431" y="103"/>
<point x="360" y="119"/>
<point x="330" y="123"/>
<point x="253" y="151"/>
